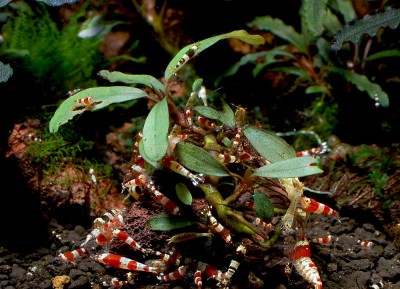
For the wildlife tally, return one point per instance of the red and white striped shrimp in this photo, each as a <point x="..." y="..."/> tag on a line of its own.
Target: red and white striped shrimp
<point x="322" y="240"/>
<point x="74" y="91"/>
<point x="234" y="264"/>
<point x="208" y="124"/>
<point x="117" y="261"/>
<point x="313" y="151"/>
<point x="165" y="257"/>
<point x="70" y="256"/>
<point x="218" y="228"/>
<point x="165" y="201"/>
<point x="177" y="274"/>
<point x="178" y="168"/>
<point x="86" y="101"/>
<point x="128" y="240"/>
<point x="304" y="265"/>
<point x="185" y="58"/>
<point x="236" y="139"/>
<point x="365" y="244"/>
<point x="264" y="226"/>
<point x="198" y="280"/>
<point x="312" y="206"/>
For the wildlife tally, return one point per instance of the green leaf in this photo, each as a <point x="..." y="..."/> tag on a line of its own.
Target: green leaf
<point x="192" y="50"/>
<point x="263" y="206"/>
<point x="147" y="159"/>
<point x="280" y="29"/>
<point x="155" y="131"/>
<point x="227" y="116"/>
<point x="207" y="112"/>
<point x="199" y="160"/>
<point x="383" y="54"/>
<point x="364" y="84"/>
<point x="5" y="72"/>
<point x="168" y="222"/>
<point x="314" y="12"/>
<point x="344" y="7"/>
<point x="315" y="89"/>
<point x="101" y="97"/>
<point x="183" y="194"/>
<point x="197" y="85"/>
<point x="143" y="79"/>
<point x="290" y="168"/>
<point x="268" y="145"/>
<point x="369" y="24"/>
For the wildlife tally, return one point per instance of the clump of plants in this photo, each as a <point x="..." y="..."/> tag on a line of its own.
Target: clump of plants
<point x="246" y="177"/>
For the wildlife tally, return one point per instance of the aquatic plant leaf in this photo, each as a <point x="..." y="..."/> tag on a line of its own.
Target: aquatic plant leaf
<point x="57" y="2"/>
<point x="227" y="116"/>
<point x="155" y="131"/>
<point x="167" y="222"/>
<point x="383" y="54"/>
<point x="191" y="50"/>
<point x="150" y="164"/>
<point x="364" y="84"/>
<point x="314" y="12"/>
<point x="268" y="145"/>
<point x="344" y="7"/>
<point x="199" y="160"/>
<point x="369" y="24"/>
<point x="280" y="29"/>
<point x="197" y="85"/>
<point x="101" y="97"/>
<point x="147" y="80"/>
<point x="263" y="206"/>
<point x="183" y="194"/>
<point x="207" y="112"/>
<point x="5" y="72"/>
<point x="4" y="2"/>
<point x="290" y="168"/>
<point x="315" y="89"/>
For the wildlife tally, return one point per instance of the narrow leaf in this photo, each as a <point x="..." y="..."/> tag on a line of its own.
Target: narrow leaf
<point x="290" y="168"/>
<point x="143" y="79"/>
<point x="364" y="84"/>
<point x="384" y="54"/>
<point x="100" y="97"/>
<point x="199" y="160"/>
<point x="183" y="194"/>
<point x="168" y="222"/>
<point x="369" y="24"/>
<point x="263" y="206"/>
<point x="280" y="29"/>
<point x="192" y="50"/>
<point x="268" y="145"/>
<point x="155" y="131"/>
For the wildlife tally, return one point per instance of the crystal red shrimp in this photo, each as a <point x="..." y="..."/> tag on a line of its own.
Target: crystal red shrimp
<point x="198" y="280"/>
<point x="177" y="274"/>
<point x="178" y="168"/>
<point x="236" y="139"/>
<point x="218" y="228"/>
<point x="304" y="265"/>
<point x="165" y="201"/>
<point x="322" y="240"/>
<point x="70" y="256"/>
<point x="312" y="206"/>
<point x="206" y="123"/>
<point x="128" y="240"/>
<point x="365" y="244"/>
<point x="87" y="100"/>
<point x="313" y="151"/>
<point x="117" y="261"/>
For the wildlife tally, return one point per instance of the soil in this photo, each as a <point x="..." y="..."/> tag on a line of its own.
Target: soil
<point x="35" y="238"/>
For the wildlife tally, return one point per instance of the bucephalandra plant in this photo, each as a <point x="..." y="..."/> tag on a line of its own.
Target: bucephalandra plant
<point x="248" y="176"/>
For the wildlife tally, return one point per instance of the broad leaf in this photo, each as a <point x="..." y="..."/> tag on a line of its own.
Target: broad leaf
<point x="199" y="160"/>
<point x="280" y="29"/>
<point x="263" y="206"/>
<point x="57" y="2"/>
<point x="364" y="84"/>
<point x="168" y="222"/>
<point x="149" y="162"/>
<point x="314" y="12"/>
<point x="155" y="131"/>
<point x="191" y="50"/>
<point x="183" y="194"/>
<point x="290" y="168"/>
<point x="143" y="79"/>
<point x="227" y="116"/>
<point x="100" y="98"/>
<point x="268" y="145"/>
<point x="369" y="24"/>
<point x="207" y="112"/>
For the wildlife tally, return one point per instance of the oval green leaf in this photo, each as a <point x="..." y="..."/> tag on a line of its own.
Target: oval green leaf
<point x="227" y="116"/>
<point x="290" y="168"/>
<point x="155" y="131"/>
<point x="207" y="112"/>
<point x="183" y="194"/>
<point x="101" y="97"/>
<point x="263" y="206"/>
<point x="168" y="222"/>
<point x="268" y="145"/>
<point x="143" y="79"/>
<point x="199" y="160"/>
<point x="191" y="50"/>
